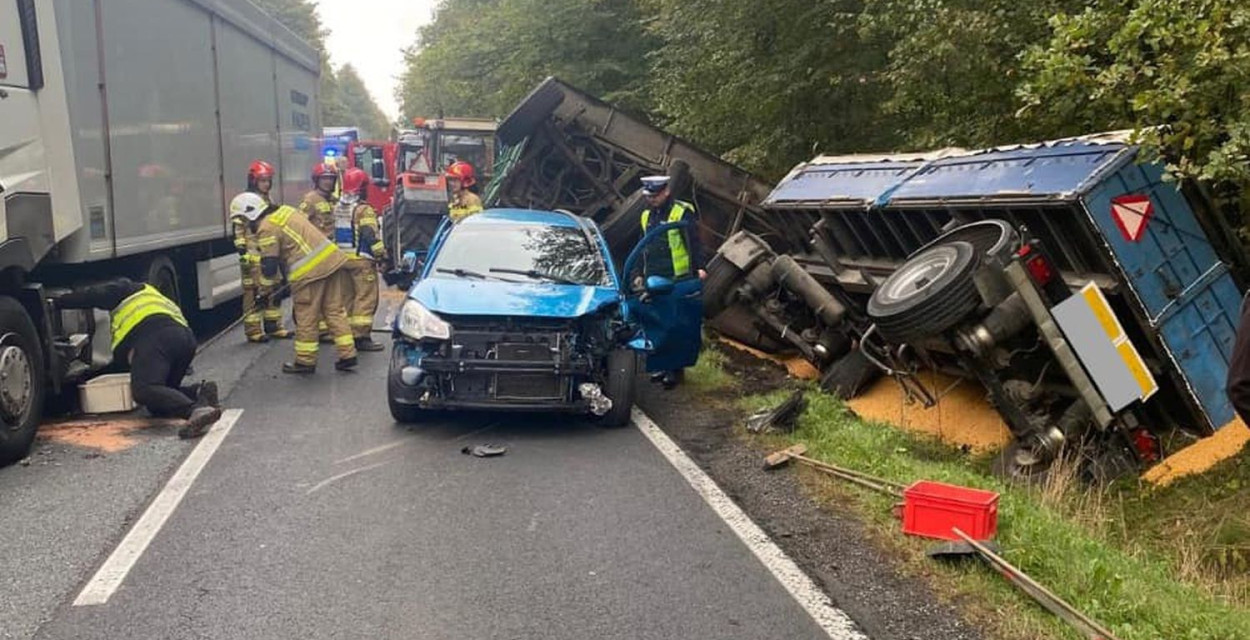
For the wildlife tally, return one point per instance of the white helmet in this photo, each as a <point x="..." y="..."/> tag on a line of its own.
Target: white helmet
<point x="247" y="205"/>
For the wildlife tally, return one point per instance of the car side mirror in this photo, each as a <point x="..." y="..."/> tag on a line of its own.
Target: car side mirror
<point x="659" y="285"/>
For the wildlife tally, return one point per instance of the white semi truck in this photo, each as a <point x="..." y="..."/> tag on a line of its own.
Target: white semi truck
<point x="125" y="127"/>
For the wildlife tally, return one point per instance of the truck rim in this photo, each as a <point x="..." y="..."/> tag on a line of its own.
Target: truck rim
<point x="16" y="385"/>
<point x="918" y="274"/>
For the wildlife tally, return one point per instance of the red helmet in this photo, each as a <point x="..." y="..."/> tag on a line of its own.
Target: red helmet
<point x="354" y="179"/>
<point x="463" y="172"/>
<point x="323" y="170"/>
<point x="259" y="170"/>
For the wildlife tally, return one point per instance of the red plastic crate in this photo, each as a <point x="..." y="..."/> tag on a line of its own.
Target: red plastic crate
<point x="933" y="509"/>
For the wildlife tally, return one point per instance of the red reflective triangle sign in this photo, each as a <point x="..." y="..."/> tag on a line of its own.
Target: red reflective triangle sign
<point x="1131" y="213"/>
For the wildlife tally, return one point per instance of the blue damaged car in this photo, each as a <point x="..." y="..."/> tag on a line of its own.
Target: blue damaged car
<point x="522" y="310"/>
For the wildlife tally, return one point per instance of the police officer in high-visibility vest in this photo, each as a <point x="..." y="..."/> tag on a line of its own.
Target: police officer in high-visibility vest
<point x="150" y="334"/>
<point x="315" y="271"/>
<point x="681" y="256"/>
<point x="259" y="323"/>
<point x="356" y="233"/>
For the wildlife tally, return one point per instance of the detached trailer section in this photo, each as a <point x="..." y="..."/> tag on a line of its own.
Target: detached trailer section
<point x="125" y="126"/>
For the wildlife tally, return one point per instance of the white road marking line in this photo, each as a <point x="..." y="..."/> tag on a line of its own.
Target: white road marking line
<point x="836" y="624"/>
<point x="114" y="570"/>
<point x="368" y="452"/>
<point x="345" y="474"/>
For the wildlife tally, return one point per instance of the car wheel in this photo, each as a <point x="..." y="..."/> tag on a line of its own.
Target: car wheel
<point x="622" y="386"/>
<point x="929" y="294"/>
<point x="402" y="413"/>
<point x="21" y="381"/>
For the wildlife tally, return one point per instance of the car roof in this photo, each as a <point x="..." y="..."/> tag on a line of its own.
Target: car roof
<point x="513" y="216"/>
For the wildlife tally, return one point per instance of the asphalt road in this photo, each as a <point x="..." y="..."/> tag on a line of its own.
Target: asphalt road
<point x="318" y="517"/>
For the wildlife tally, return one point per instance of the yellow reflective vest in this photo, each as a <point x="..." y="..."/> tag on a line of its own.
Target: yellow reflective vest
<point x="676" y="237"/>
<point x="140" y="306"/>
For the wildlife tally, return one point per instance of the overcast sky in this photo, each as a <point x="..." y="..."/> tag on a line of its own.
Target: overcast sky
<point x="371" y="35"/>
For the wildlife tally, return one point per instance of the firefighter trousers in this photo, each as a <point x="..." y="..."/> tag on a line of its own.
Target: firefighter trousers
<point x="312" y="301"/>
<point x="259" y="321"/>
<point x="363" y="303"/>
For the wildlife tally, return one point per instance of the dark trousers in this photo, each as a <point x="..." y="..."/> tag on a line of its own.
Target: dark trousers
<point x="158" y="362"/>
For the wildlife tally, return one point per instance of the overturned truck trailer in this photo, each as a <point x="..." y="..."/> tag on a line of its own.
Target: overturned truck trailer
<point x="564" y="149"/>
<point x="1093" y="299"/>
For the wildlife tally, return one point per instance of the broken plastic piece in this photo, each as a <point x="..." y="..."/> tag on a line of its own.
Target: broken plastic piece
<point x="485" y="450"/>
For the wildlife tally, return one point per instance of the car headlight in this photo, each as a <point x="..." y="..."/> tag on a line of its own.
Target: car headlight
<point x="419" y="323"/>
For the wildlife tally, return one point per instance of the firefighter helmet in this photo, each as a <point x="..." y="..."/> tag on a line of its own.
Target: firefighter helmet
<point x="259" y="170"/>
<point x="324" y="170"/>
<point x="463" y="172"/>
<point x="354" y="180"/>
<point x="247" y="205"/>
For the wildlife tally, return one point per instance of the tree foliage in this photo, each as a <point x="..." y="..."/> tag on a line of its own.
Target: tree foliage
<point x="365" y="112"/>
<point x="1177" y="71"/>
<point x="480" y="57"/>
<point x="769" y="83"/>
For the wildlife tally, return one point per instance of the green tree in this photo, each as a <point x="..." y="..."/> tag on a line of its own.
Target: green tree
<point x="1176" y="71"/>
<point x="480" y="58"/>
<point x="768" y="83"/>
<point x="954" y="66"/>
<point x="360" y="106"/>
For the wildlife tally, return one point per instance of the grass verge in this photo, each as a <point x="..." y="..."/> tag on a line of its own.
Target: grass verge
<point x="1112" y="554"/>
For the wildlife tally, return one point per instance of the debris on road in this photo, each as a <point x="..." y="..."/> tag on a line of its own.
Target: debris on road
<point x="485" y="450"/>
<point x="1052" y="603"/>
<point x="779" y="419"/>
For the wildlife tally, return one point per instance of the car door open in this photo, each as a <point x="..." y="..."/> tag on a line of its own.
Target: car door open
<point x="665" y="304"/>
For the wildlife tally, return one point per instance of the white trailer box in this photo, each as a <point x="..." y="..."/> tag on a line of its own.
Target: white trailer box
<point x="125" y="128"/>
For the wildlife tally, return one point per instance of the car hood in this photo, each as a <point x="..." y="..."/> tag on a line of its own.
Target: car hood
<point x="463" y="297"/>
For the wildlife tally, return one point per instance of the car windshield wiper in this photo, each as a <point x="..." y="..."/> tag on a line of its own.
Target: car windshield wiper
<point x="463" y="273"/>
<point x="540" y="275"/>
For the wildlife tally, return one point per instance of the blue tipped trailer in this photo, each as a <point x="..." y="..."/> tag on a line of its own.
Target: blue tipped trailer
<point x="1077" y="283"/>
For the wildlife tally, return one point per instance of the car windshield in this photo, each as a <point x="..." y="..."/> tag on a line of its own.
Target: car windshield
<point x="522" y="252"/>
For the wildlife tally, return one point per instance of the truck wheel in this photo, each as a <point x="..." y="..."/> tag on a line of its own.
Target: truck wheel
<point x="530" y="113"/>
<point x="21" y="381"/>
<point x="622" y="386"/>
<point x="162" y="274"/>
<point x="929" y="294"/>
<point x="722" y="278"/>
<point x="849" y="376"/>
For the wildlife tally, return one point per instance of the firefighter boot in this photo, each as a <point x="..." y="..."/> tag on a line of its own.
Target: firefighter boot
<point x="346" y="364"/>
<point x="298" y="368"/>
<point x="367" y="344"/>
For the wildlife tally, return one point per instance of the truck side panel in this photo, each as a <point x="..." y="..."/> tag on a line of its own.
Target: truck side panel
<point x="249" y="114"/>
<point x="298" y="124"/>
<point x="162" y="133"/>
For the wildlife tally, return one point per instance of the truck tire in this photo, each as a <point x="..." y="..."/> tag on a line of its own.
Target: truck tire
<point x="722" y="278"/>
<point x="849" y="376"/>
<point x="622" y="387"/>
<point x="530" y="113"/>
<point x="162" y="274"/>
<point x="21" y="381"/>
<point x="929" y="294"/>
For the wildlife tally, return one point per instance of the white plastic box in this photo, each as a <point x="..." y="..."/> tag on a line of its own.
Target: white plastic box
<point x="109" y="393"/>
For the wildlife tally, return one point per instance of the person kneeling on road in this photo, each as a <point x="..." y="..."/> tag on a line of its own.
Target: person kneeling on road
<point x="316" y="269"/>
<point x="151" y="334"/>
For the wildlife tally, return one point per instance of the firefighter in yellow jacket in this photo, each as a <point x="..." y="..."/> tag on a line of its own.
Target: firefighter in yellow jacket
<point x="356" y="233"/>
<point x="260" y="323"/>
<point x="315" y="270"/>
<point x="464" y="202"/>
